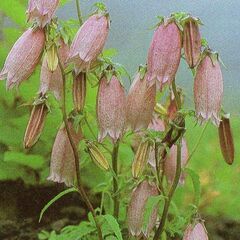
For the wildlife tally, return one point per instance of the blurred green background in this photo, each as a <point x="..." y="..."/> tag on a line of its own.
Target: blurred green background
<point x="130" y="34"/>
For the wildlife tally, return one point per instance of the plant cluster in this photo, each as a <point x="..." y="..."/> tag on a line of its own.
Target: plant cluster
<point x="149" y="119"/>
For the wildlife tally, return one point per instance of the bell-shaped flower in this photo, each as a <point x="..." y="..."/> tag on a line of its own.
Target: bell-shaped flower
<point x="23" y="57"/>
<point x="208" y="88"/>
<point x="195" y="232"/>
<point x="139" y="198"/>
<point x="62" y="168"/>
<point x="141" y="100"/>
<point x="164" y="54"/>
<point x="89" y="42"/>
<point x="41" y="11"/>
<point x="111" y="108"/>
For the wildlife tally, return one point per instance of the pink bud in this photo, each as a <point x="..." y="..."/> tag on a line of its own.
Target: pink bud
<point x="89" y="42"/>
<point x="195" y="232"/>
<point x="208" y="89"/>
<point x="140" y="103"/>
<point x="192" y="42"/>
<point x="23" y="57"/>
<point x="170" y="163"/>
<point x="111" y="112"/>
<point x="164" y="54"/>
<point x="62" y="168"/>
<point x="172" y="108"/>
<point x="136" y="209"/>
<point x="51" y="81"/>
<point x="41" y="11"/>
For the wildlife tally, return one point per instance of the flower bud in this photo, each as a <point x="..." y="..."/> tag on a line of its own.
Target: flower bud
<point x="97" y="156"/>
<point x="62" y="168"/>
<point x="170" y="163"/>
<point x="89" y="42"/>
<point x="140" y="103"/>
<point x="226" y="140"/>
<point x="35" y="124"/>
<point x="51" y="81"/>
<point x="140" y="159"/>
<point x="208" y="88"/>
<point x="23" y="57"/>
<point x="195" y="232"/>
<point x="111" y="112"/>
<point x="79" y="91"/>
<point x="191" y="41"/>
<point x="52" y="58"/>
<point x="172" y="108"/>
<point x="164" y="54"/>
<point x="136" y="209"/>
<point x="41" y="11"/>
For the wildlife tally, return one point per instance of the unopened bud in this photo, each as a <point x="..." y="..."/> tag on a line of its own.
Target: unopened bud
<point x="97" y="156"/>
<point x="195" y="232"/>
<point x="52" y="58"/>
<point x="226" y="140"/>
<point x="79" y="91"/>
<point x="35" y="124"/>
<point x="141" y="158"/>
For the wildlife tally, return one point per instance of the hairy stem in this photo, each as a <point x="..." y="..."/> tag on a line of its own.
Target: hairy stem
<point x="198" y="141"/>
<point x="79" y="12"/>
<point x="76" y="157"/>
<point x="170" y="194"/>
<point x="115" y="183"/>
<point x="176" y="95"/>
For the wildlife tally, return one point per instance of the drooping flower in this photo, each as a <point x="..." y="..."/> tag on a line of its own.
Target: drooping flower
<point x="136" y="208"/>
<point x="208" y="88"/>
<point x="62" y="168"/>
<point x="35" y="124"/>
<point x="170" y="163"/>
<point x="79" y="91"/>
<point x="192" y="41"/>
<point x="111" y="108"/>
<point x="164" y="54"/>
<point x="195" y="232"/>
<point x="41" y="11"/>
<point x="140" y="103"/>
<point x="52" y="80"/>
<point x="89" y="42"/>
<point x="23" y="57"/>
<point x="226" y="139"/>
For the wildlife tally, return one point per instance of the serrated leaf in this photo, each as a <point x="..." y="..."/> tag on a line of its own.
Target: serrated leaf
<point x="196" y="184"/>
<point x="113" y="224"/>
<point x="61" y="194"/>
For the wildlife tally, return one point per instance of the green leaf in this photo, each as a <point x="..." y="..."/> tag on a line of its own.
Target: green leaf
<point x="33" y="161"/>
<point x="113" y="224"/>
<point x="196" y="184"/>
<point x="63" y="2"/>
<point x="152" y="202"/>
<point x="61" y="194"/>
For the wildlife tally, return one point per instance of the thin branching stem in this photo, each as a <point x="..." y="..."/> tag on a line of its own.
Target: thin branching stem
<point x="79" y="13"/>
<point x="76" y="156"/>
<point x="115" y="182"/>
<point x="170" y="194"/>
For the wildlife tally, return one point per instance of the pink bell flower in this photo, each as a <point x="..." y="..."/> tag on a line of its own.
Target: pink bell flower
<point x="89" y="42"/>
<point x="41" y="11"/>
<point x="23" y="57"/>
<point x="164" y="54"/>
<point x="208" y="89"/>
<point x="111" y="108"/>
<point x="195" y="232"/>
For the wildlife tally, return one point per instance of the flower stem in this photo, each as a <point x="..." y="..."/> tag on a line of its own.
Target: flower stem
<point x="176" y="95"/>
<point x="76" y="157"/>
<point x="115" y="183"/>
<point x="170" y="194"/>
<point x="79" y="12"/>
